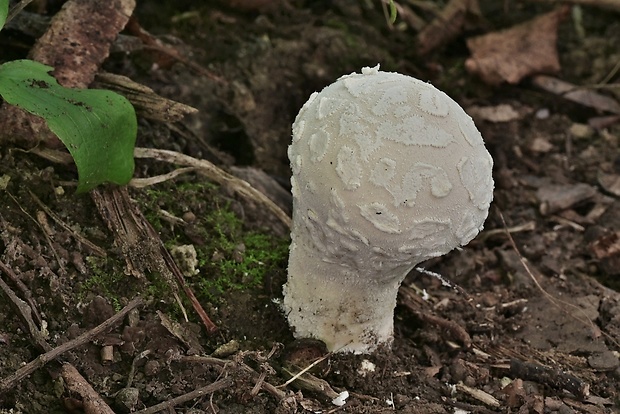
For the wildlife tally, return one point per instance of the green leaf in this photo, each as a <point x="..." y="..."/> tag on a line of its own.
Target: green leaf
<point x="393" y="12"/>
<point x="4" y="11"/>
<point x="98" y="127"/>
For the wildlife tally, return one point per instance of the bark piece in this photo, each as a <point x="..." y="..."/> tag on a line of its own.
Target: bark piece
<point x="549" y="376"/>
<point x="79" y="39"/>
<point x="448" y="25"/>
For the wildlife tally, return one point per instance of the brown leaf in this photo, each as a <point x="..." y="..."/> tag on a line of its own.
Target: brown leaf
<point x="515" y="393"/>
<point x="610" y="183"/>
<point x="554" y="198"/>
<point x="512" y="54"/>
<point x="606" y="246"/>
<point x="498" y="113"/>
<point x="575" y="93"/>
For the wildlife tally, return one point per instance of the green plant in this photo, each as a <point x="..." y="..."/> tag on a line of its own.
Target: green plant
<point x="393" y="11"/>
<point x="104" y="280"/>
<point x="230" y="257"/>
<point x="4" y="11"/>
<point x="98" y="127"/>
<point x="236" y="270"/>
<point x="262" y="255"/>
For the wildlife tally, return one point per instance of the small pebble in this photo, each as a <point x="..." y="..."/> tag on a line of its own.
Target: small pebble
<point x="226" y="349"/>
<point x="127" y="399"/>
<point x="189" y="217"/>
<point x="151" y="368"/>
<point x="603" y="361"/>
<point x="543" y="113"/>
<point x="581" y="131"/>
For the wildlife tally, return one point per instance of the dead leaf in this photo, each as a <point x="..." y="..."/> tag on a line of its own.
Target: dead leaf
<point x="578" y="94"/>
<point x="182" y="333"/>
<point x="606" y="246"/>
<point x="554" y="198"/>
<point x="523" y="50"/>
<point x="498" y="113"/>
<point x="606" y="249"/>
<point x="610" y="183"/>
<point x="602" y="122"/>
<point x="515" y="393"/>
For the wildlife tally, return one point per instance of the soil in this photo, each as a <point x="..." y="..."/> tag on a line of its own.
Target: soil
<point x="530" y="323"/>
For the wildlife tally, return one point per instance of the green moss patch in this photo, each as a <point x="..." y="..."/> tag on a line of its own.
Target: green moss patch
<point x="230" y="257"/>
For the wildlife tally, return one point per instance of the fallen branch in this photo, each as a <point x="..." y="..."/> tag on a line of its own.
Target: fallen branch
<point x="554" y="378"/>
<point x="92" y="402"/>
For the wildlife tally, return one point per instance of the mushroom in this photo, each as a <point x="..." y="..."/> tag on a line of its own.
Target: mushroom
<point x="388" y="171"/>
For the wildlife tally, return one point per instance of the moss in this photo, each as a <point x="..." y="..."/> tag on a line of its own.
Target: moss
<point x="237" y="259"/>
<point x="247" y="269"/>
<point x="230" y="257"/>
<point x="105" y="281"/>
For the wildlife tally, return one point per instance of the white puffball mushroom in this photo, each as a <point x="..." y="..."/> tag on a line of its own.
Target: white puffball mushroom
<point x="388" y="171"/>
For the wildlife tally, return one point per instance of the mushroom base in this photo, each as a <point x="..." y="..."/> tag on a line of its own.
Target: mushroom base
<point x="349" y="311"/>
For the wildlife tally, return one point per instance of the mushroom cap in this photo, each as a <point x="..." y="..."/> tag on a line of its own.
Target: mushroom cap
<point x="388" y="171"/>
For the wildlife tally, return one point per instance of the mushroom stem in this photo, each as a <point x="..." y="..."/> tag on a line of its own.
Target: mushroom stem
<point x="349" y="310"/>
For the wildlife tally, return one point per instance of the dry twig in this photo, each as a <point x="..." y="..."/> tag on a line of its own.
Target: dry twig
<point x="54" y="353"/>
<point x="92" y="246"/>
<point x="407" y="297"/>
<point x="192" y="395"/>
<point x="553" y="377"/>
<point x="241" y="187"/>
<point x="141" y="244"/>
<point x="26" y="294"/>
<point x="92" y="402"/>
<point x="23" y="311"/>
<point x="270" y="388"/>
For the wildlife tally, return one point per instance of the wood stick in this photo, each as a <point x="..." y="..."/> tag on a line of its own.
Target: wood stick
<point x="93" y="403"/>
<point x="200" y="392"/>
<point x="10" y="381"/>
<point x="554" y="378"/>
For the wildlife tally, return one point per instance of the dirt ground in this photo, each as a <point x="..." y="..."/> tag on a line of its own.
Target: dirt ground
<point x="531" y="324"/>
